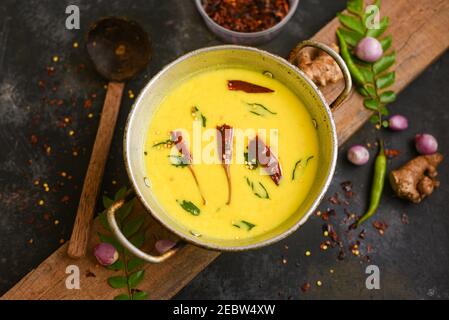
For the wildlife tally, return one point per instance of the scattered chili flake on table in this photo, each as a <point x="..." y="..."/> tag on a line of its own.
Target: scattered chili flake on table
<point x="305" y="287"/>
<point x="246" y="15"/>
<point x="380" y="227"/>
<point x="392" y="153"/>
<point x="404" y="218"/>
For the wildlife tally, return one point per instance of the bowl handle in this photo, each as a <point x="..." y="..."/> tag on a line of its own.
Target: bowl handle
<point x="341" y="64"/>
<point x="128" y="245"/>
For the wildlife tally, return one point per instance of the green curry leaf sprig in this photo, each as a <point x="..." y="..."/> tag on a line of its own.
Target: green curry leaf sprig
<point x="371" y="79"/>
<point x="130" y="267"/>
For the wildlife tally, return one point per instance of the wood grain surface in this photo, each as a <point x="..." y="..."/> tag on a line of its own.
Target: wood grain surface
<point x="419" y="30"/>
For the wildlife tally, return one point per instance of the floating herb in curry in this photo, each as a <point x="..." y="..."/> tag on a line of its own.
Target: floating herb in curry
<point x="301" y="165"/>
<point x="258" y="189"/>
<point x="259" y="109"/>
<point x="198" y="115"/>
<point x="242" y="224"/>
<point x="189" y="207"/>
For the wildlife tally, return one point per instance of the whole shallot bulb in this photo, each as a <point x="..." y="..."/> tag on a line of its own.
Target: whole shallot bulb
<point x="358" y="155"/>
<point x="106" y="254"/>
<point x="369" y="49"/>
<point x="426" y="143"/>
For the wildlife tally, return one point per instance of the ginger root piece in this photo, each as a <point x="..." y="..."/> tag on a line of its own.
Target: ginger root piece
<point x="417" y="178"/>
<point x="321" y="69"/>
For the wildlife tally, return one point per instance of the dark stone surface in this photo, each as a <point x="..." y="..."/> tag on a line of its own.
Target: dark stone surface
<point x="413" y="259"/>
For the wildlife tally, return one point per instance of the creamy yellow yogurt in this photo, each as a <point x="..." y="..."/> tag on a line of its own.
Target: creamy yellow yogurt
<point x="217" y="105"/>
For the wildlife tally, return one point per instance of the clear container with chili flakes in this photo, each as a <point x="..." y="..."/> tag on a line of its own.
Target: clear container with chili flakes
<point x="248" y="22"/>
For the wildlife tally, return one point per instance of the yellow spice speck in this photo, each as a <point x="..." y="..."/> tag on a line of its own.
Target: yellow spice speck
<point x="308" y="253"/>
<point x="41" y="202"/>
<point x="319" y="283"/>
<point x="75" y="44"/>
<point x="55" y="58"/>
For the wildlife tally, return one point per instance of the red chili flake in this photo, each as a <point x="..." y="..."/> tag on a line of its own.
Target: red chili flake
<point x="326" y="214"/>
<point x="87" y="103"/>
<point x="305" y="287"/>
<point x="380" y="226"/>
<point x="392" y="153"/>
<point x="334" y="199"/>
<point x="362" y="234"/>
<point x="347" y="188"/>
<point x="265" y="158"/>
<point x="246" y="15"/>
<point x="47" y="216"/>
<point x="238" y="85"/>
<point x="404" y="218"/>
<point x="33" y="139"/>
<point x="41" y="84"/>
<point x="50" y="71"/>
<point x="65" y="199"/>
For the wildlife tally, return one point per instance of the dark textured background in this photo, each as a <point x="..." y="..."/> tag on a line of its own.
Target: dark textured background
<point x="413" y="259"/>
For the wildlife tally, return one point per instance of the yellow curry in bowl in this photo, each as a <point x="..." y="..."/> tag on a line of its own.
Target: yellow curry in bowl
<point x="231" y="153"/>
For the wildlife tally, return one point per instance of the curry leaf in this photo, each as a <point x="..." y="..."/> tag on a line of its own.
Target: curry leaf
<point x="138" y="239"/>
<point x="371" y="104"/>
<point x="132" y="226"/>
<point x="107" y="202"/>
<point x="189" y="207"/>
<point x="386" y="42"/>
<point x="387" y="97"/>
<point x="385" y="80"/>
<point x="125" y="210"/>
<point x="117" y="282"/>
<point x="121" y="193"/>
<point x="384" y="63"/>
<point x="383" y="25"/>
<point x="123" y="296"/>
<point x="118" y="265"/>
<point x="135" y="263"/>
<point x="355" y="6"/>
<point x="352" y="23"/>
<point x="351" y="37"/>
<point x="104" y="220"/>
<point x="136" y="278"/>
<point x="140" y="295"/>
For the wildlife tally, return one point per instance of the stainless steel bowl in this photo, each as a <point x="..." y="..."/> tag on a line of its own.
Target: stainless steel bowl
<point x="222" y="57"/>
<point x="246" y="38"/>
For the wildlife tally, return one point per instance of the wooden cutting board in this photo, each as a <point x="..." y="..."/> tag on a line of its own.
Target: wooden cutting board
<point x="420" y="35"/>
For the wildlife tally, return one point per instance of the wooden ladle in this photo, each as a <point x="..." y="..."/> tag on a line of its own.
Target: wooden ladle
<point x="119" y="49"/>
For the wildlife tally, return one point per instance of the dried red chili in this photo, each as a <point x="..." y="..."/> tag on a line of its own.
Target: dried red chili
<point x="265" y="158"/>
<point x="177" y="138"/>
<point x="246" y="15"/>
<point x="225" y="137"/>
<point x="238" y="85"/>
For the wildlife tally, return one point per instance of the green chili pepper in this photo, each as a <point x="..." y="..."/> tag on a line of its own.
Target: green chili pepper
<point x="380" y="169"/>
<point x="356" y="74"/>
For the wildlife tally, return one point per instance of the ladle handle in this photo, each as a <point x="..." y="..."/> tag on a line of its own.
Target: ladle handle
<point x="94" y="175"/>
<point x="128" y="245"/>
